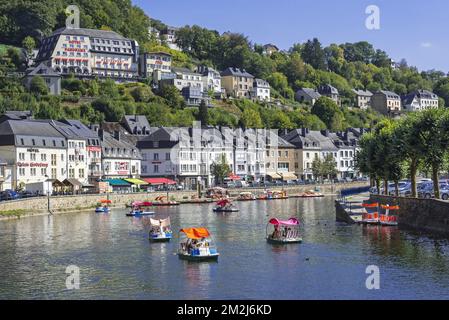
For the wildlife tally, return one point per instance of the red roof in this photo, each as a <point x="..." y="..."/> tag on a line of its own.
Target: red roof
<point x="159" y="181"/>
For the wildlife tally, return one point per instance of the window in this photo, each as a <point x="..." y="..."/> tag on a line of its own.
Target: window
<point x="43" y="171"/>
<point x="156" y="157"/>
<point x="156" y="168"/>
<point x="21" y="171"/>
<point x="53" y="159"/>
<point x="33" y="172"/>
<point x="43" y="157"/>
<point x="167" y="156"/>
<point x="81" y="173"/>
<point x="21" y="156"/>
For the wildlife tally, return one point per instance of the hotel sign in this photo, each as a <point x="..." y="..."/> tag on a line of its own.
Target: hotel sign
<point x="32" y="164"/>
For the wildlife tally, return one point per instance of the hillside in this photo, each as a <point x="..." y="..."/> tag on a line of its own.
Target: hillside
<point x="345" y="66"/>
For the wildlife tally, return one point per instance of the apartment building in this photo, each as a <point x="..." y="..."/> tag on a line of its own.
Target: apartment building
<point x="89" y="52"/>
<point x="386" y="102"/>
<point x="155" y="61"/>
<point x="420" y="100"/>
<point x="261" y="90"/>
<point x="362" y="99"/>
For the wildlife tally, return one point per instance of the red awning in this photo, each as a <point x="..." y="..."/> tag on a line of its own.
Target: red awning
<point x="234" y="177"/>
<point x="159" y="181"/>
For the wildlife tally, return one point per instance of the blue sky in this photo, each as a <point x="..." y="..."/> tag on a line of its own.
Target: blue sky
<point x="416" y="30"/>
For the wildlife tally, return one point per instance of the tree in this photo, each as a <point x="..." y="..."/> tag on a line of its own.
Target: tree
<point x="318" y="169"/>
<point x="172" y="96"/>
<point x="38" y="86"/>
<point x="328" y="111"/>
<point x="313" y="54"/>
<point x="330" y="166"/>
<point x="28" y="44"/>
<point x="251" y="119"/>
<point x="203" y="114"/>
<point x="220" y="170"/>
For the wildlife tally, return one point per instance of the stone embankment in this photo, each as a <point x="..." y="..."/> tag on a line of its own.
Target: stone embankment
<point x="61" y="204"/>
<point x="428" y="215"/>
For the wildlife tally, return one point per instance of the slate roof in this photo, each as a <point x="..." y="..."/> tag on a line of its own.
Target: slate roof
<point x="236" y="72"/>
<point x="419" y="94"/>
<point x="365" y="93"/>
<point x="93" y="33"/>
<point x="13" y="132"/>
<point x="327" y="89"/>
<point x="389" y="94"/>
<point x="137" y="124"/>
<point x="313" y="94"/>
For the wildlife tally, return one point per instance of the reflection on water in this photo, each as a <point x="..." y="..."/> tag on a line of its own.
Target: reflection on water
<point x="117" y="261"/>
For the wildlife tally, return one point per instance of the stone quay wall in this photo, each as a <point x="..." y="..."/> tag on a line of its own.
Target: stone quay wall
<point x="58" y="204"/>
<point x="430" y="215"/>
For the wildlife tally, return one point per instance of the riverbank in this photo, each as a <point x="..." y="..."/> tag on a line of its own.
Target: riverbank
<point x="430" y="215"/>
<point x="66" y="204"/>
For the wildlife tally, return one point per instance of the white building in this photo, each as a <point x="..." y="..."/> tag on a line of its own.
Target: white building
<point x="169" y="35"/>
<point x="211" y="80"/>
<point x="152" y="61"/>
<point x="185" y="78"/>
<point x="362" y="98"/>
<point x="33" y="150"/>
<point x="120" y="159"/>
<point x="261" y="90"/>
<point x="90" y="52"/>
<point x="420" y="100"/>
<point x="250" y="154"/>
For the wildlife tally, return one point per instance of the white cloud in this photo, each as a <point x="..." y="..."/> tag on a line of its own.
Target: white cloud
<point x="426" y="44"/>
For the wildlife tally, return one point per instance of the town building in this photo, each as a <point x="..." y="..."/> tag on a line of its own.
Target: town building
<point x="269" y="49"/>
<point x="237" y="83"/>
<point x="386" y="102"/>
<point x="281" y="160"/>
<point x="120" y="159"/>
<point x="5" y="175"/>
<point x="89" y="52"/>
<point x="155" y="34"/>
<point x="51" y="78"/>
<point x="185" y="155"/>
<point x="331" y="92"/>
<point x="184" y="78"/>
<point x="169" y="36"/>
<point x="420" y="100"/>
<point x="152" y="61"/>
<point x="307" y="95"/>
<point x="211" y="81"/>
<point x="137" y="125"/>
<point x="33" y="150"/>
<point x="261" y="90"/>
<point x="362" y="99"/>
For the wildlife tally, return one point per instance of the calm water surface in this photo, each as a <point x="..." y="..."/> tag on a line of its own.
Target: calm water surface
<point x="117" y="261"/>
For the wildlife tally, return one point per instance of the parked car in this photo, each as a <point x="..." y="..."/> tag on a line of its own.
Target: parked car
<point x="427" y="192"/>
<point x="9" y="195"/>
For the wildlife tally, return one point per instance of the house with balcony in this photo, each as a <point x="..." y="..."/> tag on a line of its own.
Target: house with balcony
<point x="211" y="81"/>
<point x="155" y="61"/>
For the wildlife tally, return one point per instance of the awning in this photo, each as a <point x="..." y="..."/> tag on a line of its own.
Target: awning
<point x="159" y="181"/>
<point x="287" y="176"/>
<point x="137" y="182"/>
<point x="117" y="182"/>
<point x="72" y="183"/>
<point x="274" y="175"/>
<point x="234" y="177"/>
<point x="55" y="182"/>
<point x="161" y="223"/>
<point x="196" y="233"/>
<point x="289" y="222"/>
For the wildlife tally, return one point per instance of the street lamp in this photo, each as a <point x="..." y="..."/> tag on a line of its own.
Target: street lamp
<point x="48" y="193"/>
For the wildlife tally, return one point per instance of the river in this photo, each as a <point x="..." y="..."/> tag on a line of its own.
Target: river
<point x="116" y="260"/>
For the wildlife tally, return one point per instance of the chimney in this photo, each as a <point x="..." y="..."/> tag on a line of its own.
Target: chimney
<point x="100" y="133"/>
<point x="117" y="135"/>
<point x="304" y="131"/>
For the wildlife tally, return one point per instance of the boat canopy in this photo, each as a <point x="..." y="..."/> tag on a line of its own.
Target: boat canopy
<point x="223" y="202"/>
<point x="289" y="222"/>
<point x="196" y="233"/>
<point x="105" y="201"/>
<point x="161" y="222"/>
<point x="247" y="193"/>
<point x="141" y="204"/>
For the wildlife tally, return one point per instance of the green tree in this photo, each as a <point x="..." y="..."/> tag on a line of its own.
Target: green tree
<point x="220" y="170"/>
<point x="251" y="119"/>
<point x="38" y="86"/>
<point x="328" y="111"/>
<point x="313" y="54"/>
<point x="203" y="113"/>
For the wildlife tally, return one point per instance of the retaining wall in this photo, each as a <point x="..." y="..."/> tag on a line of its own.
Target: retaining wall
<point x="421" y="214"/>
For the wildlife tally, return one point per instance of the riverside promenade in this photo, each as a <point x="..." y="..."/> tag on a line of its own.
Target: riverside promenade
<point x="64" y="204"/>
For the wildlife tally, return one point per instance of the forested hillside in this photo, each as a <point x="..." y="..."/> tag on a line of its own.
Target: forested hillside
<point x="345" y="66"/>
